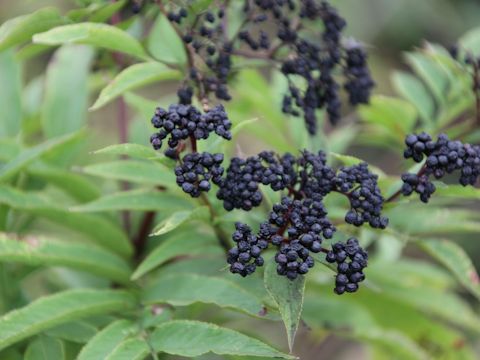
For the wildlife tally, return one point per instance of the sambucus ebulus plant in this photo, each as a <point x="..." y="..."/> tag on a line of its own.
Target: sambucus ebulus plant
<point x="198" y="208"/>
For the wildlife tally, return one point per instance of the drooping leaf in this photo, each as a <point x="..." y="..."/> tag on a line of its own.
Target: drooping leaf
<point x="65" y="99"/>
<point x="288" y="295"/>
<point x="133" y="77"/>
<point x="180" y="217"/>
<point x="105" y="341"/>
<point x="28" y="155"/>
<point x="194" y="338"/>
<point x="42" y="252"/>
<point x="20" y="29"/>
<point x="60" y="308"/>
<point x="141" y="172"/>
<point x="95" y="34"/>
<point x="142" y="200"/>
<point x="164" y="43"/>
<point x="183" y="243"/>
<point x="132" y="150"/>
<point x="455" y="259"/>
<point x="103" y="232"/>
<point x="10" y="94"/>
<point x="45" y="348"/>
<point x="186" y="289"/>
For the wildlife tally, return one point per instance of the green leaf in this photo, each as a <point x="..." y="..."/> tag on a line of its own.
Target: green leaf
<point x="107" y="11"/>
<point x="132" y="150"/>
<point x="105" y="341"/>
<point x="458" y="191"/>
<point x="288" y="295"/>
<point x="164" y="43"/>
<point x="131" y="170"/>
<point x="130" y="349"/>
<point x="21" y="29"/>
<point x="445" y="305"/>
<point x="42" y="252"/>
<point x="102" y="231"/>
<point x="187" y="289"/>
<point x="95" y="34"/>
<point x="396" y="344"/>
<point x="200" y="5"/>
<point x="455" y="259"/>
<point x="53" y="310"/>
<point x="194" y="338"/>
<point x="33" y="153"/>
<point x="394" y="115"/>
<point x="66" y="93"/>
<point x="10" y="95"/>
<point x="470" y="41"/>
<point x="179" y="244"/>
<point x="414" y="91"/>
<point x="133" y="77"/>
<point x="143" y="200"/>
<point x="180" y="217"/>
<point x="76" y="331"/>
<point x="431" y="73"/>
<point x="45" y="348"/>
<point x="76" y="185"/>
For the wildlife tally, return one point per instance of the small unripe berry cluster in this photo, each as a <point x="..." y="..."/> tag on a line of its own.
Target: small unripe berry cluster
<point x="197" y="170"/>
<point x="246" y="255"/>
<point x="351" y="259"/>
<point x="366" y="200"/>
<point x="181" y="122"/>
<point x="443" y="156"/>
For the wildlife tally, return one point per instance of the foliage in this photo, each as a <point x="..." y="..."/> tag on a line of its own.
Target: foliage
<point x="102" y="256"/>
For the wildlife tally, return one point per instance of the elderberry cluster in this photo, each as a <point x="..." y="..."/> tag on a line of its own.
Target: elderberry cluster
<point x="245" y="256"/>
<point x="351" y="259"/>
<point x="364" y="194"/>
<point x="306" y="225"/>
<point x="298" y="225"/>
<point x="181" y="122"/>
<point x="240" y="187"/>
<point x="443" y="156"/>
<point x="196" y="171"/>
<point x="292" y="46"/>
